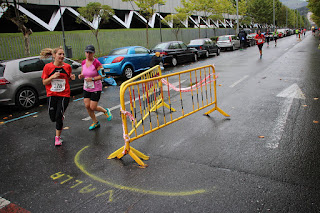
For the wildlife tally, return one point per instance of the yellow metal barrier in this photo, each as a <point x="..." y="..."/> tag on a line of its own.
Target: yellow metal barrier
<point x="189" y="91"/>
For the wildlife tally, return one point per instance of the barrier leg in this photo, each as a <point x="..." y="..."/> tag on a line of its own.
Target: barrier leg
<point x="162" y="103"/>
<point x="137" y="159"/>
<point x="139" y="154"/>
<point x="116" y="153"/>
<point x="219" y="110"/>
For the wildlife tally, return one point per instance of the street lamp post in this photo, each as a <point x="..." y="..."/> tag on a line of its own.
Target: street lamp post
<point x="274" y="17"/>
<point x="237" y="30"/>
<point x="62" y="26"/>
<point x="160" y="20"/>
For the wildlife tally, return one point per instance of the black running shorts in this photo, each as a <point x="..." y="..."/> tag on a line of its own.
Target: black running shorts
<point x="94" y="96"/>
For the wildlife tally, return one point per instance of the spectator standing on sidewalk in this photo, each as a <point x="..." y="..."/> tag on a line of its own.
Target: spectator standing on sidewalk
<point x="243" y="39"/>
<point x="92" y="86"/>
<point x="56" y="76"/>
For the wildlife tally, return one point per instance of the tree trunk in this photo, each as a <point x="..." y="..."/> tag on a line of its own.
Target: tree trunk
<point x="96" y="35"/>
<point x="147" y="34"/>
<point x="27" y="43"/>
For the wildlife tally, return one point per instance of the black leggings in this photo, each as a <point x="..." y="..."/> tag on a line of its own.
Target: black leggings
<point x="56" y="107"/>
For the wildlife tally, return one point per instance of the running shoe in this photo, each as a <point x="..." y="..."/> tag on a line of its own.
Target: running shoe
<point x="260" y="56"/>
<point x="108" y="114"/>
<point x="57" y="141"/>
<point x="94" y="126"/>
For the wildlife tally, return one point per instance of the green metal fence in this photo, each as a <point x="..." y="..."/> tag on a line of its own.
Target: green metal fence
<point x="12" y="47"/>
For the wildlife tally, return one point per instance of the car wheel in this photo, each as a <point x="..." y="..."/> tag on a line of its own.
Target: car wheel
<point x="218" y="51"/>
<point x="174" y="61"/>
<point x="207" y="54"/>
<point x="233" y="48"/>
<point x="27" y="98"/>
<point x="195" y="58"/>
<point x="128" y="72"/>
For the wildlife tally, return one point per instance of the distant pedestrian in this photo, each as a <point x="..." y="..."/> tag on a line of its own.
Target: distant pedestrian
<point x="55" y="77"/>
<point x="92" y="86"/>
<point x="275" y="37"/>
<point x="243" y="39"/>
<point x="260" y="40"/>
<point x="267" y="37"/>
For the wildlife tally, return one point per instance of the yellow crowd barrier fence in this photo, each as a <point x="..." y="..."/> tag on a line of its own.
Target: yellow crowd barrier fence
<point x="155" y="101"/>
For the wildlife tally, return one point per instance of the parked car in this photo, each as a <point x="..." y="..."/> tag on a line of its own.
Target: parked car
<point x="205" y="47"/>
<point x="282" y="33"/>
<point x="125" y="61"/>
<point x="228" y="42"/>
<point x="175" y="52"/>
<point x="21" y="82"/>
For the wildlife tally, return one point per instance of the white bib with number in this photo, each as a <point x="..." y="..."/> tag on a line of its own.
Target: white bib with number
<point x="58" y="85"/>
<point x="88" y="85"/>
<point x="260" y="40"/>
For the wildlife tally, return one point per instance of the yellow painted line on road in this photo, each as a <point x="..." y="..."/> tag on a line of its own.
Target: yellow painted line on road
<point x="118" y="186"/>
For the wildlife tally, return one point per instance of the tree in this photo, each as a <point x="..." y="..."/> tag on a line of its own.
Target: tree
<point x="211" y="9"/>
<point x="176" y="20"/>
<point x="19" y="20"/>
<point x="146" y="9"/>
<point x="314" y="6"/>
<point x="96" y="11"/>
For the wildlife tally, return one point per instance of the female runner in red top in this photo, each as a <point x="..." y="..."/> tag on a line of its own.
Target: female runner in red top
<point x="260" y="40"/>
<point x="55" y="77"/>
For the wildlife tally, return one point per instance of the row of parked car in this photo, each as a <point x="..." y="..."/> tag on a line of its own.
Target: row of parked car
<point x="21" y="83"/>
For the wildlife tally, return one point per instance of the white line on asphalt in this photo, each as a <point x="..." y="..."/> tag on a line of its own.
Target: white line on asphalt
<point x="289" y="94"/>
<point x="111" y="109"/>
<point x="286" y="49"/>
<point x="237" y="82"/>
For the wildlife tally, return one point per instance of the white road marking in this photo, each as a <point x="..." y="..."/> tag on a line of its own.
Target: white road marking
<point x="289" y="94"/>
<point x="237" y="82"/>
<point x="286" y="49"/>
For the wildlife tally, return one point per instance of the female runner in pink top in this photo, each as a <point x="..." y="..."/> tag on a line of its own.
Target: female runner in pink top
<point x="92" y="86"/>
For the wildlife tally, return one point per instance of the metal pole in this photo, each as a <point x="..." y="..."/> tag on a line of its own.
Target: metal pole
<point x="62" y="25"/>
<point x="274" y="16"/>
<point x="160" y="22"/>
<point x="286" y="17"/>
<point x="237" y="31"/>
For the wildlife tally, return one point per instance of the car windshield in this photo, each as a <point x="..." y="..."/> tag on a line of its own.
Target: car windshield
<point x="196" y="42"/>
<point x="1" y="70"/>
<point x="224" y="38"/>
<point x="161" y="46"/>
<point x="119" y="52"/>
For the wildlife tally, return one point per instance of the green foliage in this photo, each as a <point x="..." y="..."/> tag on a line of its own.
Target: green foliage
<point x="314" y="6"/>
<point x="177" y="22"/>
<point x="146" y="9"/>
<point x="92" y="11"/>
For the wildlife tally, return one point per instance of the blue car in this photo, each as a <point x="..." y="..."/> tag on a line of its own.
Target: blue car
<point x="125" y="61"/>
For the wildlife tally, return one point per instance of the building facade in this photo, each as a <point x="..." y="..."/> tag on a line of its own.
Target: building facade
<point x="45" y="15"/>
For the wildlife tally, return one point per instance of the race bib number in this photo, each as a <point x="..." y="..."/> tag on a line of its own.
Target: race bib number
<point x="88" y="85"/>
<point x="260" y="40"/>
<point x="58" y="85"/>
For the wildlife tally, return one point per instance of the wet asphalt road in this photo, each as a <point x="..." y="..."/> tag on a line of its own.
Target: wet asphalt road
<point x="198" y="164"/>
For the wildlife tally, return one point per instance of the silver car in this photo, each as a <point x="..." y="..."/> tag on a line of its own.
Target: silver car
<point x="21" y="82"/>
<point x="228" y="42"/>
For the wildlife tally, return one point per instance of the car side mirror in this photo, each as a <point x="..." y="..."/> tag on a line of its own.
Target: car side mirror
<point x="75" y="65"/>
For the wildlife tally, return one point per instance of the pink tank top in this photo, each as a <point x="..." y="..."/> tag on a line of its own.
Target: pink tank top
<point x="89" y="72"/>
